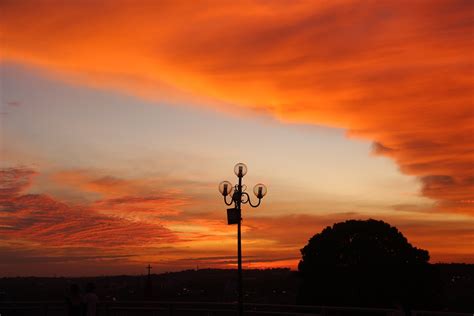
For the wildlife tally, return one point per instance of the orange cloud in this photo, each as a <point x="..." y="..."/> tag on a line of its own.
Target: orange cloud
<point x="39" y="228"/>
<point x="41" y="219"/>
<point x="38" y="218"/>
<point x="398" y="73"/>
<point x="126" y="197"/>
<point x="155" y="205"/>
<point x="104" y="185"/>
<point x="13" y="181"/>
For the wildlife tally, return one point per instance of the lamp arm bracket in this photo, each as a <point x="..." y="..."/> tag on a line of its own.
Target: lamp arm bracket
<point x="250" y="201"/>
<point x="228" y="203"/>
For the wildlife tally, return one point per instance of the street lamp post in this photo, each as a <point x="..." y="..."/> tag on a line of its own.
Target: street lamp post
<point x="234" y="216"/>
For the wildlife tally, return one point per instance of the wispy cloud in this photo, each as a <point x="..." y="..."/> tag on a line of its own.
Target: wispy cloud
<point x="13" y="181"/>
<point x="38" y="221"/>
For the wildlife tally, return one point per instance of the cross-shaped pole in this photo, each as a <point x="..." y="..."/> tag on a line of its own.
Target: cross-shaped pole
<point x="149" y="269"/>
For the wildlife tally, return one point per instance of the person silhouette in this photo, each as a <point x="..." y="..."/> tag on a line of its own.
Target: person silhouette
<point x="74" y="301"/>
<point x="90" y="300"/>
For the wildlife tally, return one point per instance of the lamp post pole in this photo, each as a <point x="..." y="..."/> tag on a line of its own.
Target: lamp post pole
<point x="234" y="216"/>
<point x="240" y="288"/>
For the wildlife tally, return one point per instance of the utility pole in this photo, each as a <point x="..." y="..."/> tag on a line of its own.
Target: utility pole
<point x="148" y="286"/>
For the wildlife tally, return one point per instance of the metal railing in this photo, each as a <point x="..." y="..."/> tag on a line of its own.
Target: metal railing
<point x="160" y="308"/>
<point x="434" y="313"/>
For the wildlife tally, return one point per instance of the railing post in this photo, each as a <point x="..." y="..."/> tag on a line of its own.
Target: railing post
<point x="323" y="311"/>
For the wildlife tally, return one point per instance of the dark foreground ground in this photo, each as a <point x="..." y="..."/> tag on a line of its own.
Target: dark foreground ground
<point x="272" y="286"/>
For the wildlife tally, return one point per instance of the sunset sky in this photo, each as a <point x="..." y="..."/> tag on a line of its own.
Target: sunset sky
<point x="119" y="119"/>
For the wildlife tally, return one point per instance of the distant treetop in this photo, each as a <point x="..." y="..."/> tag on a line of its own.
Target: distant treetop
<point x="356" y="242"/>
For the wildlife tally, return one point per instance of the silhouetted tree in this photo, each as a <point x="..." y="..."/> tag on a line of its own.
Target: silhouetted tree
<point x="365" y="263"/>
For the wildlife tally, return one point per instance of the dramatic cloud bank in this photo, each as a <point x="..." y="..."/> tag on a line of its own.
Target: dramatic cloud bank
<point x="399" y="73"/>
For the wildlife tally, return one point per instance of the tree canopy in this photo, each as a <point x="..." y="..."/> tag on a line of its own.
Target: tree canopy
<point x="363" y="262"/>
<point x="360" y="242"/>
